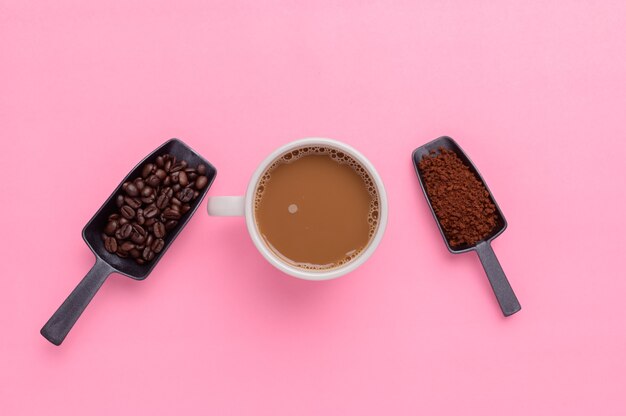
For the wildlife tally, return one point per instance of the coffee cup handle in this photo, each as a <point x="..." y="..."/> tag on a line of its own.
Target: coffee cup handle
<point x="226" y="206"/>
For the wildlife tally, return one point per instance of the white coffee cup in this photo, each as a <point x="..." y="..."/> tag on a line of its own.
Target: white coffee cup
<point x="244" y="206"/>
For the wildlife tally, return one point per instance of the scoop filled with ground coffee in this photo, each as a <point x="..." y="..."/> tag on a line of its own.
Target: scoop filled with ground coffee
<point x="467" y="215"/>
<point x="460" y="200"/>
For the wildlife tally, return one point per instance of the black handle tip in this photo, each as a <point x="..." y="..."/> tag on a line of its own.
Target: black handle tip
<point x="56" y="340"/>
<point x="511" y="310"/>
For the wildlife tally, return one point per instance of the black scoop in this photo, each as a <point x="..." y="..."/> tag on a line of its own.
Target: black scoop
<point x="59" y="325"/>
<point x="501" y="287"/>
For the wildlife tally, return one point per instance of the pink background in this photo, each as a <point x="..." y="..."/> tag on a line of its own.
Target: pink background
<point x="534" y="91"/>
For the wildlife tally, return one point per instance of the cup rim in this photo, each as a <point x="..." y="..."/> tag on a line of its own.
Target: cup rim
<point x="273" y="258"/>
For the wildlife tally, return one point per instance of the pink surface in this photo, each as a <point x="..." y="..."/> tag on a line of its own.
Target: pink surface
<point x="535" y="93"/>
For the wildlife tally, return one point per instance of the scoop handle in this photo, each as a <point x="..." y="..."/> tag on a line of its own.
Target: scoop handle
<point x="59" y="325"/>
<point x="499" y="283"/>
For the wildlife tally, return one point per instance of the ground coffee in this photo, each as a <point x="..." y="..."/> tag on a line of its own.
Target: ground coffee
<point x="460" y="200"/>
<point x="150" y="206"/>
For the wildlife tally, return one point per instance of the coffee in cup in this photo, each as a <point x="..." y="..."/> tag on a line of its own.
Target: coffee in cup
<point x="315" y="208"/>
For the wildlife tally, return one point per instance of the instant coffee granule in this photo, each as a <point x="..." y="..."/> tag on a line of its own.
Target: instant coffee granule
<point x="459" y="199"/>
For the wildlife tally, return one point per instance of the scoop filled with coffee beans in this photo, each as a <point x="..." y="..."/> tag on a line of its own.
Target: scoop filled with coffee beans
<point x="134" y="227"/>
<point x="151" y="205"/>
<point x="466" y="213"/>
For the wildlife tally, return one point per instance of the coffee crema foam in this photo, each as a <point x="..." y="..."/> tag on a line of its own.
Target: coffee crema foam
<point x="339" y="157"/>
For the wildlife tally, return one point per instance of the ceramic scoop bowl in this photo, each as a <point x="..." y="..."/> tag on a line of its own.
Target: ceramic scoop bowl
<point x="499" y="283"/>
<point x="59" y="325"/>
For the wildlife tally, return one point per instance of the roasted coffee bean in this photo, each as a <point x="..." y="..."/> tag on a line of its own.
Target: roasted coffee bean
<point x="119" y="201"/>
<point x="130" y="189"/>
<point x="139" y="242"/>
<point x="151" y="211"/>
<point x="158" y="229"/>
<point x="179" y="166"/>
<point x="185" y="208"/>
<point x="124" y="231"/>
<point x="147" y="191"/>
<point x="150" y="221"/>
<point x="122" y="221"/>
<point x="167" y="181"/>
<point x="134" y="253"/>
<point x="139" y="217"/>
<point x="134" y="203"/>
<point x="149" y="240"/>
<point x="153" y="181"/>
<point x="174" y="177"/>
<point x="168" y="165"/>
<point x="171" y="214"/>
<point x="139" y="183"/>
<point x="138" y="238"/>
<point x="127" y="212"/>
<point x="192" y="177"/>
<point x="139" y="260"/>
<point x="167" y="191"/>
<point x="123" y="254"/>
<point x="138" y="235"/>
<point x="185" y="195"/>
<point x="158" y="245"/>
<point x="147" y="254"/>
<point x="127" y="246"/>
<point x="201" y="169"/>
<point x="159" y="161"/>
<point x="147" y="170"/>
<point x="161" y="174"/>
<point x="110" y="228"/>
<point x="175" y="202"/>
<point x="176" y="187"/>
<point x="162" y="201"/>
<point x="182" y="179"/>
<point x="196" y="194"/>
<point x="148" y="199"/>
<point x="170" y="225"/>
<point x="113" y="217"/>
<point x="201" y="182"/>
<point x="110" y="244"/>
